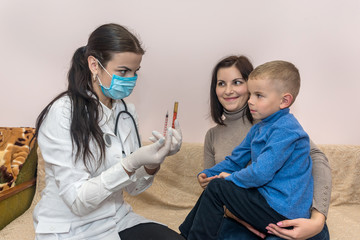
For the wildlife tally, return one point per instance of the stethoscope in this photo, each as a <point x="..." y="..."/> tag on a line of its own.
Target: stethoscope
<point x="107" y="137"/>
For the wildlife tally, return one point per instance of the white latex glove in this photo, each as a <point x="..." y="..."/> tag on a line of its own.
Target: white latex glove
<point x="176" y="139"/>
<point x="150" y="156"/>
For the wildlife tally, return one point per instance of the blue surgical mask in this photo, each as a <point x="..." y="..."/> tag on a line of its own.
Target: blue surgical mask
<point x="120" y="87"/>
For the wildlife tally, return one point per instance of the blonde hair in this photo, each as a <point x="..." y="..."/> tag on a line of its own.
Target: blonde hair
<point x="285" y="74"/>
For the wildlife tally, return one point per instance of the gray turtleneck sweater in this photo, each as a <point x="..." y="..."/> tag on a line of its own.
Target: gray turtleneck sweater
<point x="220" y="141"/>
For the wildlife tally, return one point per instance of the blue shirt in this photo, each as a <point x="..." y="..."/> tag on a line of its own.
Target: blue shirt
<point x="279" y="150"/>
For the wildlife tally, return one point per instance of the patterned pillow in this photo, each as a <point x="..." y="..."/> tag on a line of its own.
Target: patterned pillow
<point x="15" y="145"/>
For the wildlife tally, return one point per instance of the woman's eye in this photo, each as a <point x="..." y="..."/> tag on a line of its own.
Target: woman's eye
<point x="221" y="84"/>
<point x="237" y="82"/>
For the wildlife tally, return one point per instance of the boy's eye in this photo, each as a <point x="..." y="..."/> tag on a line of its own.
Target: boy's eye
<point x="259" y="95"/>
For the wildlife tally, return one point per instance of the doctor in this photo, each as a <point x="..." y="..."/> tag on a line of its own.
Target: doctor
<point x="89" y="159"/>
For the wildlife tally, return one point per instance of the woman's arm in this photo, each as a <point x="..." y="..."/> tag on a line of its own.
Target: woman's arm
<point x="209" y="154"/>
<point x="322" y="179"/>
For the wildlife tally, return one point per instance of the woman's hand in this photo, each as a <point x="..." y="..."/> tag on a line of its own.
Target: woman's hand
<point x="204" y="180"/>
<point x="303" y="228"/>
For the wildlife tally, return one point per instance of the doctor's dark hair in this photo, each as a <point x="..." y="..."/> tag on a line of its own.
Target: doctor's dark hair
<point x="102" y="44"/>
<point x="245" y="67"/>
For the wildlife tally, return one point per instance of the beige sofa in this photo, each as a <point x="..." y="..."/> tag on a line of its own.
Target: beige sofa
<point x="175" y="191"/>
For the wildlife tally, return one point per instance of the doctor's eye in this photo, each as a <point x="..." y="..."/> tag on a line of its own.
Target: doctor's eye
<point x="122" y="72"/>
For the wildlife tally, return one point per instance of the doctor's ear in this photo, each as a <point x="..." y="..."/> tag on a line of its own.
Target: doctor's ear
<point x="93" y="65"/>
<point x="286" y="100"/>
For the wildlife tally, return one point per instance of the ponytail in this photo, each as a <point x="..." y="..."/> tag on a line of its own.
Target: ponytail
<point x="85" y="114"/>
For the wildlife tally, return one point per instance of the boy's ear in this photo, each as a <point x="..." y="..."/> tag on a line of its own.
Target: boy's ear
<point x="286" y="100"/>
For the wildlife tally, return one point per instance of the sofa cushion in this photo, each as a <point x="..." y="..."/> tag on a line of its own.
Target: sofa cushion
<point x="175" y="191"/>
<point x="344" y="161"/>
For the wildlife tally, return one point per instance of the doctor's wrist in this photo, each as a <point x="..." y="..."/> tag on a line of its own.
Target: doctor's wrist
<point x="128" y="167"/>
<point x="152" y="169"/>
<point x="128" y="172"/>
<point x="152" y="166"/>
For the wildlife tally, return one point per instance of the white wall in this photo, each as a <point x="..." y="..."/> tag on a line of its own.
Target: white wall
<point x="184" y="39"/>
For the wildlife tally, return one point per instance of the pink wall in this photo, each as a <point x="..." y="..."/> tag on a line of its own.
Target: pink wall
<point x="184" y="39"/>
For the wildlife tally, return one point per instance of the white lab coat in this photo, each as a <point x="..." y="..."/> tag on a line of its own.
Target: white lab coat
<point x="81" y="204"/>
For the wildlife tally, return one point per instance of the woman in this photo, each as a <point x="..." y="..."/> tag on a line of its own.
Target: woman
<point x="92" y="154"/>
<point x="228" y="100"/>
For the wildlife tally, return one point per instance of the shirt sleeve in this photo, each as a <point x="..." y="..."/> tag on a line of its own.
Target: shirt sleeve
<point x="322" y="179"/>
<point x="209" y="154"/>
<point x="143" y="182"/>
<point x="278" y="148"/>
<point x="114" y="179"/>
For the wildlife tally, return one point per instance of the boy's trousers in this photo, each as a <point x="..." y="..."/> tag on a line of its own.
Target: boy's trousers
<point x="205" y="219"/>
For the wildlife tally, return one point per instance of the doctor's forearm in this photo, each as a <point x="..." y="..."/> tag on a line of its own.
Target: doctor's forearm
<point x="90" y="195"/>
<point x="95" y="190"/>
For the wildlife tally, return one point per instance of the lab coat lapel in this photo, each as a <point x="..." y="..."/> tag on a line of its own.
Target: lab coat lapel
<point x="124" y="129"/>
<point x="124" y="126"/>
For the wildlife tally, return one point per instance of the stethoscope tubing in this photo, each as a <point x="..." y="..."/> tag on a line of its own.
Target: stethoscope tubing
<point x="133" y="120"/>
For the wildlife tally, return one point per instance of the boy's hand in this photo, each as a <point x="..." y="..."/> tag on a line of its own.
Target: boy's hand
<point x="224" y="175"/>
<point x="204" y="180"/>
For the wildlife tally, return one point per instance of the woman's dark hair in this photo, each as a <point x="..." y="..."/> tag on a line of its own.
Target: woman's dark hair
<point x="105" y="41"/>
<point x="245" y="67"/>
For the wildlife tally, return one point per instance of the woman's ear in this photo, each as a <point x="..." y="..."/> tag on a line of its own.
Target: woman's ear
<point x="286" y="100"/>
<point x="93" y="65"/>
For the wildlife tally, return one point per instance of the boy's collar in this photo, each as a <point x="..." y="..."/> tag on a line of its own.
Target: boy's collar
<point x="275" y="116"/>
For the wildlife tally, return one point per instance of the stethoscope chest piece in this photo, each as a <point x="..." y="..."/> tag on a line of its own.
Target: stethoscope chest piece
<point x="107" y="139"/>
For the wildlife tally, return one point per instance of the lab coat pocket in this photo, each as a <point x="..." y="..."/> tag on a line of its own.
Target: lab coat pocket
<point x="51" y="227"/>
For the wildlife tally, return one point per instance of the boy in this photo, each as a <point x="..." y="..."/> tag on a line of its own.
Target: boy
<point x="278" y="184"/>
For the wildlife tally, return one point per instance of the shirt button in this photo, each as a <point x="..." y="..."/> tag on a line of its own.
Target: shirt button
<point x="52" y="228"/>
